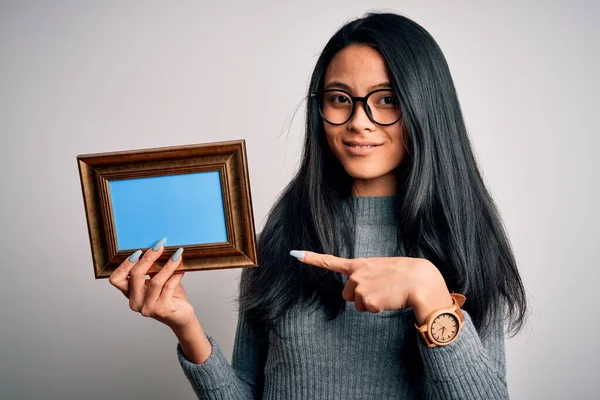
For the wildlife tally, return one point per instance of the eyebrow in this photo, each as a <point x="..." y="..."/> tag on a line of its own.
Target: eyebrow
<point x="348" y="88"/>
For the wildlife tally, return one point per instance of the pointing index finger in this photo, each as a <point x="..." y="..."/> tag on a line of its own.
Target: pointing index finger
<point x="327" y="261"/>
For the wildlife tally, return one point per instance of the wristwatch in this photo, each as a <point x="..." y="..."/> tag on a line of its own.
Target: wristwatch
<point x="442" y="326"/>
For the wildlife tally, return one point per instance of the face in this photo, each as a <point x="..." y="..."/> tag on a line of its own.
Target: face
<point x="359" y="69"/>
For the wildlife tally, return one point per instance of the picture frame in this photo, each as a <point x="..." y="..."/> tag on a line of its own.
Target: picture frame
<point x="196" y="196"/>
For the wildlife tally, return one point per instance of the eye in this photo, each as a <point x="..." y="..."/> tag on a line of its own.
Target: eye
<point x="339" y="98"/>
<point x="389" y="101"/>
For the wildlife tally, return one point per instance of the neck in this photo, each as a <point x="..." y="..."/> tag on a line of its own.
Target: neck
<point x="385" y="185"/>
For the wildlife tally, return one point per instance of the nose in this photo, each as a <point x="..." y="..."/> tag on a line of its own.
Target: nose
<point x="360" y="119"/>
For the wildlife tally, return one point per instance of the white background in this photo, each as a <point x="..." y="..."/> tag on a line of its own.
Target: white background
<point x="83" y="77"/>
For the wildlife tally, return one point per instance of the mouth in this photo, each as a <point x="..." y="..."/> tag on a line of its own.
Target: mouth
<point x="361" y="144"/>
<point x="361" y="149"/>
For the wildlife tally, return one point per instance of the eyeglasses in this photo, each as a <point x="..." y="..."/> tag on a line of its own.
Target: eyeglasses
<point x="337" y="106"/>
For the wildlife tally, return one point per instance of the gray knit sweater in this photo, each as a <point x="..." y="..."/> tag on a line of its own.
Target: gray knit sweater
<point x="357" y="355"/>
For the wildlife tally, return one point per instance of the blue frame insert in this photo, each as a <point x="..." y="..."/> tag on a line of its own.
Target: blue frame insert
<point x="185" y="208"/>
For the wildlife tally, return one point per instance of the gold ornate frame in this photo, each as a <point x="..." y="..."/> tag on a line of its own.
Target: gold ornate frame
<point x="228" y="158"/>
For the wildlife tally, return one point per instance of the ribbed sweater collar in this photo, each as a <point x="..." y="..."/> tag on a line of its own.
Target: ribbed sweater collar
<point x="374" y="209"/>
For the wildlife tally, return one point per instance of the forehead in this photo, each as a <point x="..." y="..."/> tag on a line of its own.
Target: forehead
<point x="357" y="65"/>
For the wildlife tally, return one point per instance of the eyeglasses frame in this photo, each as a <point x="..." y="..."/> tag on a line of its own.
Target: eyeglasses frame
<point x="355" y="100"/>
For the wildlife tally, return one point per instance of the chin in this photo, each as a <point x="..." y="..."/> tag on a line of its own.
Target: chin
<point x="362" y="172"/>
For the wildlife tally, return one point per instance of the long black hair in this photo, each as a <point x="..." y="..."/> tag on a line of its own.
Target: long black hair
<point x="444" y="212"/>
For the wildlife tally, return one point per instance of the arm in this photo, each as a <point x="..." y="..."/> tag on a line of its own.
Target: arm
<point x="215" y="379"/>
<point x="468" y="368"/>
<point x="163" y="298"/>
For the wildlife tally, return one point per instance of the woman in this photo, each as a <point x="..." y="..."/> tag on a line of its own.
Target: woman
<point x="387" y="218"/>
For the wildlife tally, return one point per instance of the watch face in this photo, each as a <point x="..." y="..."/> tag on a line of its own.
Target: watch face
<point x="444" y="327"/>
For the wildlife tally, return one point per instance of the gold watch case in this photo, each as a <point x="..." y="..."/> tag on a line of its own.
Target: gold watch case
<point x="443" y="326"/>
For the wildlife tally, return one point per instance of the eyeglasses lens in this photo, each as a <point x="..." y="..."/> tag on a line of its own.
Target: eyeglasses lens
<point x="336" y="107"/>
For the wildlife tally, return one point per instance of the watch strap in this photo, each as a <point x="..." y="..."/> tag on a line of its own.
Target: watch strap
<point x="459" y="300"/>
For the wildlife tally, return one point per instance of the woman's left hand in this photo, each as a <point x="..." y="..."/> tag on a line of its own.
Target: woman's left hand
<point x="378" y="284"/>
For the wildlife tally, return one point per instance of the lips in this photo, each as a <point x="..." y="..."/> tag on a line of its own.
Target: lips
<point x="361" y="148"/>
<point x="357" y="144"/>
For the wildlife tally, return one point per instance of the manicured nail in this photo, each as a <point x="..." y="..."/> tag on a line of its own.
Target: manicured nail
<point x="159" y="244"/>
<point x="297" y="253"/>
<point x="135" y="256"/>
<point x="177" y="254"/>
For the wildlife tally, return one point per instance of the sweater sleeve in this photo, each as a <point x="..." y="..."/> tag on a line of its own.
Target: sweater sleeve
<point x="215" y="379"/>
<point x="468" y="368"/>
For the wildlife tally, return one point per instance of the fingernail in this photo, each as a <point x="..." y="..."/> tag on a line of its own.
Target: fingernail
<point x="159" y="244"/>
<point x="297" y="253"/>
<point x="135" y="256"/>
<point x="177" y="254"/>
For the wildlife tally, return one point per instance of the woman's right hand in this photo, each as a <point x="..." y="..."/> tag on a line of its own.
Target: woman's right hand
<point x="161" y="297"/>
